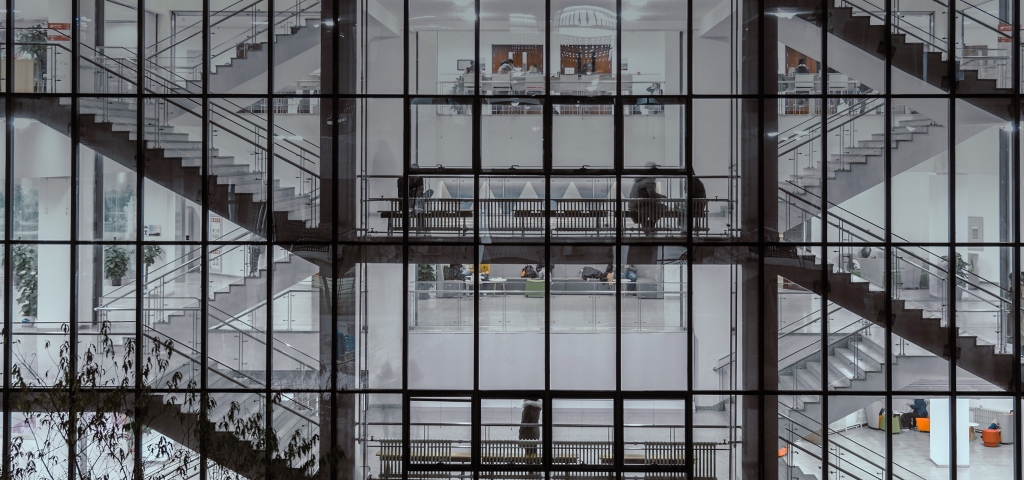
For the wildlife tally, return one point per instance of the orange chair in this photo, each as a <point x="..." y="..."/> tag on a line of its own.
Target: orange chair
<point x="991" y="437"/>
<point x="924" y="424"/>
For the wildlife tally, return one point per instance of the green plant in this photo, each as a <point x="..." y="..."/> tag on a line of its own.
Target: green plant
<point x="149" y="255"/>
<point x="25" y="265"/>
<point x="115" y="262"/>
<point x="961" y="269"/>
<point x="104" y="400"/>
<point x="425" y="273"/>
<point x="33" y="44"/>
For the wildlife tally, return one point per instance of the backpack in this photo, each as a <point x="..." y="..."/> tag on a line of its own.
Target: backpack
<point x="528" y="272"/>
<point x="591" y="273"/>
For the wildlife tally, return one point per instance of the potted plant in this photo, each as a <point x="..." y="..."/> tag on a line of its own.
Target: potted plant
<point x="115" y="264"/>
<point x="425" y="278"/>
<point x="960" y="269"/>
<point x="26" y="280"/>
<point x="149" y="255"/>
<point x="33" y="45"/>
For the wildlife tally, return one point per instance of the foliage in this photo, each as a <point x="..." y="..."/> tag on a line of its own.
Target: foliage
<point x="961" y="268"/>
<point x="26" y="270"/>
<point x="425" y="273"/>
<point x="103" y="406"/>
<point x="115" y="262"/>
<point x="150" y="253"/>
<point x="36" y="36"/>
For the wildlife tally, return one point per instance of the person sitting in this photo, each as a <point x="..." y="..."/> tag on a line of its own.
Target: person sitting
<point x="628" y="272"/>
<point x="534" y="70"/>
<point x="644" y="208"/>
<point x="801" y="66"/>
<point x="918" y="409"/>
<point x="506" y="67"/>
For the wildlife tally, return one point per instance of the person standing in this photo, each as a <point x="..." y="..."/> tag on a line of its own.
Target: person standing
<point x="529" y="428"/>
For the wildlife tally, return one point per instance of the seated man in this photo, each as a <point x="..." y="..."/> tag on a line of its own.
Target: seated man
<point x="644" y="208"/>
<point x="918" y="409"/>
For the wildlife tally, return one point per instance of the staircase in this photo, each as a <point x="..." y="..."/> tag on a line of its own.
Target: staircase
<point x="236" y="191"/>
<point x="236" y="430"/>
<point x="239" y="64"/>
<point x="860" y="28"/>
<point x="239" y="297"/>
<point x="856" y="169"/>
<point x="911" y="324"/>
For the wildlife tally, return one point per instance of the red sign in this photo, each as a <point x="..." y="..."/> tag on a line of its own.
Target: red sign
<point x="59" y="26"/>
<point x="1005" y="27"/>
<point x="1004" y="40"/>
<point x="58" y="38"/>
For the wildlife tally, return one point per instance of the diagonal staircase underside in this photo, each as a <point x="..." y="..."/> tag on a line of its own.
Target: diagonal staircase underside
<point x="234" y="195"/>
<point x="979" y="359"/>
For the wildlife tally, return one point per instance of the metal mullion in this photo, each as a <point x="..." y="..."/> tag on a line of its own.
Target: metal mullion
<point x="619" y="159"/>
<point x="476" y="163"/>
<point x="952" y="332"/>
<point x="204" y="294"/>
<point x="1015" y="316"/>
<point x="140" y="169"/>
<point x="406" y="159"/>
<point x="686" y="63"/>
<point x="8" y="231"/>
<point x="72" y="437"/>
<point x="887" y="166"/>
<point x="824" y="158"/>
<point x="335" y="247"/>
<point x="268" y="241"/>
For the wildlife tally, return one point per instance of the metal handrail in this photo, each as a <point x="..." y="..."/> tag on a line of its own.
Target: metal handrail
<point x="881" y="18"/>
<point x="201" y="30"/>
<point x="812" y="322"/>
<point x="880" y="238"/>
<point x="834" y="127"/>
<point x="832" y="431"/>
<point x="179" y="267"/>
<point x="165" y="265"/>
<point x="820" y="350"/>
<point x="220" y="373"/>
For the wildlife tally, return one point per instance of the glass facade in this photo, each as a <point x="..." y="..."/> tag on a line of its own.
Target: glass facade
<point x="511" y="239"/>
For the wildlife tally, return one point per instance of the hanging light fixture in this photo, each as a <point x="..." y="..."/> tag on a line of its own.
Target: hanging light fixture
<point x="585" y="21"/>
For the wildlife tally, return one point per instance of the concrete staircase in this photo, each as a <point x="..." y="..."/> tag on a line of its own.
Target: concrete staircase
<point x="237" y="297"/>
<point x="849" y="26"/>
<point x="231" y="441"/>
<point x="236" y="191"/>
<point x="911" y="324"/>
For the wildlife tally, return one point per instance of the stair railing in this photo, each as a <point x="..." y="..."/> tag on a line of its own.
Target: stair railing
<point x="223" y="371"/>
<point x="175" y="270"/>
<point x="878" y="13"/>
<point x="794" y="428"/>
<point x="1002" y="298"/>
<point x="816" y="354"/>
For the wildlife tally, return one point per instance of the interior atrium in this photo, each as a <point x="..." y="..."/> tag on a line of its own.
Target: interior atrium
<point x="511" y="239"/>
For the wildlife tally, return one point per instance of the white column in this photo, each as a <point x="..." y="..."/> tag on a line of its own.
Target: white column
<point x="940" y="432"/>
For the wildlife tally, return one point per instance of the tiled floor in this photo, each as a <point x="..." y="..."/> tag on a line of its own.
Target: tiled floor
<point x="864" y="446"/>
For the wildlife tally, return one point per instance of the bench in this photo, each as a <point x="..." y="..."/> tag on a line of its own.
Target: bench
<point x="433" y="221"/>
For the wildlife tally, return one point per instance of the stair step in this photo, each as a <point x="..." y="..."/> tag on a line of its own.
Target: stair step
<point x="900" y="136"/>
<point x="868" y="348"/>
<point x="809" y="378"/>
<point x="877" y="151"/>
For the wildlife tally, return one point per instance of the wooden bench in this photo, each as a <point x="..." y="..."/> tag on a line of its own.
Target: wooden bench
<point x="433" y="221"/>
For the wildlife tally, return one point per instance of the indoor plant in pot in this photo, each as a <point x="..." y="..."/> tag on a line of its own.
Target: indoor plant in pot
<point x="115" y="264"/>
<point x="960" y="269"/>
<point x="26" y="280"/>
<point x="149" y="255"/>
<point x="425" y="278"/>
